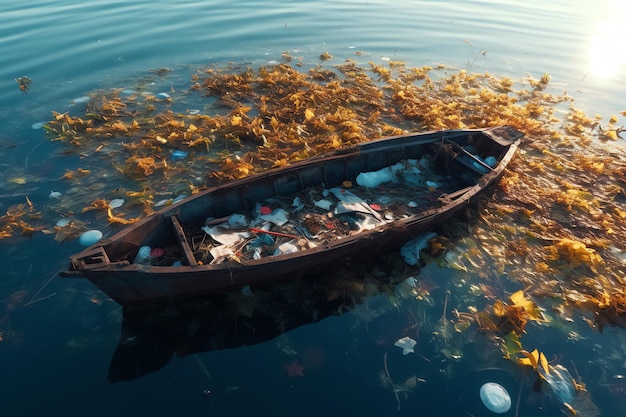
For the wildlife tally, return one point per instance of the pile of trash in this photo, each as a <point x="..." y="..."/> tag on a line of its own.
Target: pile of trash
<point x="318" y="216"/>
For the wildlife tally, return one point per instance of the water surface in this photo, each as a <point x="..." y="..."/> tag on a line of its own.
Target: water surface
<point x="56" y="352"/>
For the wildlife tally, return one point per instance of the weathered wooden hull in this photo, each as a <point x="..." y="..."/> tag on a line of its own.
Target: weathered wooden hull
<point x="109" y="266"/>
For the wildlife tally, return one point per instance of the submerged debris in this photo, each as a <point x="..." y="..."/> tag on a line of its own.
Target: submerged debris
<point x="23" y="83"/>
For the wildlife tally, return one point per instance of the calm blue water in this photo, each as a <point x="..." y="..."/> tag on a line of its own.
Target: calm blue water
<point x="56" y="352"/>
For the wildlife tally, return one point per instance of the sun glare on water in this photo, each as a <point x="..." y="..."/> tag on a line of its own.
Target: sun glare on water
<point x="607" y="59"/>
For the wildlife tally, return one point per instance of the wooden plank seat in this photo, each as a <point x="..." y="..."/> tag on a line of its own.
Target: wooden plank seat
<point x="182" y="242"/>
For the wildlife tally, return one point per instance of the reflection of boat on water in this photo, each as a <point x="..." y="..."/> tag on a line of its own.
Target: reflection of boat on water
<point x="152" y="334"/>
<point x="248" y="231"/>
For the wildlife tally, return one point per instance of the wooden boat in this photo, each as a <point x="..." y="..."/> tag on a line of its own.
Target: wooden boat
<point x="431" y="176"/>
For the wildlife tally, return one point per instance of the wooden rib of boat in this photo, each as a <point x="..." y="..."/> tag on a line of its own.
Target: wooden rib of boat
<point x="301" y="219"/>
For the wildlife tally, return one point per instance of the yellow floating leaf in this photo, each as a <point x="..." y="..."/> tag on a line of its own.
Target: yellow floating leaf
<point x="309" y="114"/>
<point x="598" y="167"/>
<point x="280" y="163"/>
<point x="613" y="119"/>
<point x="115" y="219"/>
<point x="17" y="180"/>
<point x="59" y="116"/>
<point x="532" y="357"/>
<point x="542" y="267"/>
<point x="518" y="299"/>
<point x="235" y="120"/>
<point x="530" y="308"/>
<point x="499" y="308"/>
<point x="176" y="123"/>
<point x="120" y="126"/>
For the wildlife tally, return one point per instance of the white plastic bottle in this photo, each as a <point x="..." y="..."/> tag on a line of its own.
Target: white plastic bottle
<point x="143" y="256"/>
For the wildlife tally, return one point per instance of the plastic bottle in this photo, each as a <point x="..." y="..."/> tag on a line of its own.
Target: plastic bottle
<point x="143" y="256"/>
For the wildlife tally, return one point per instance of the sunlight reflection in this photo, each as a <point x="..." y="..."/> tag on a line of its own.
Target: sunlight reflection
<point x="606" y="51"/>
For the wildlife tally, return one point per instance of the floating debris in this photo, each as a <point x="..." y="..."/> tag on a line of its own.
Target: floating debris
<point x="63" y="222"/>
<point x="116" y="203"/>
<point x="24" y="83"/>
<point x="177" y="155"/>
<point x="495" y="397"/>
<point x="90" y="237"/>
<point x="406" y="344"/>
